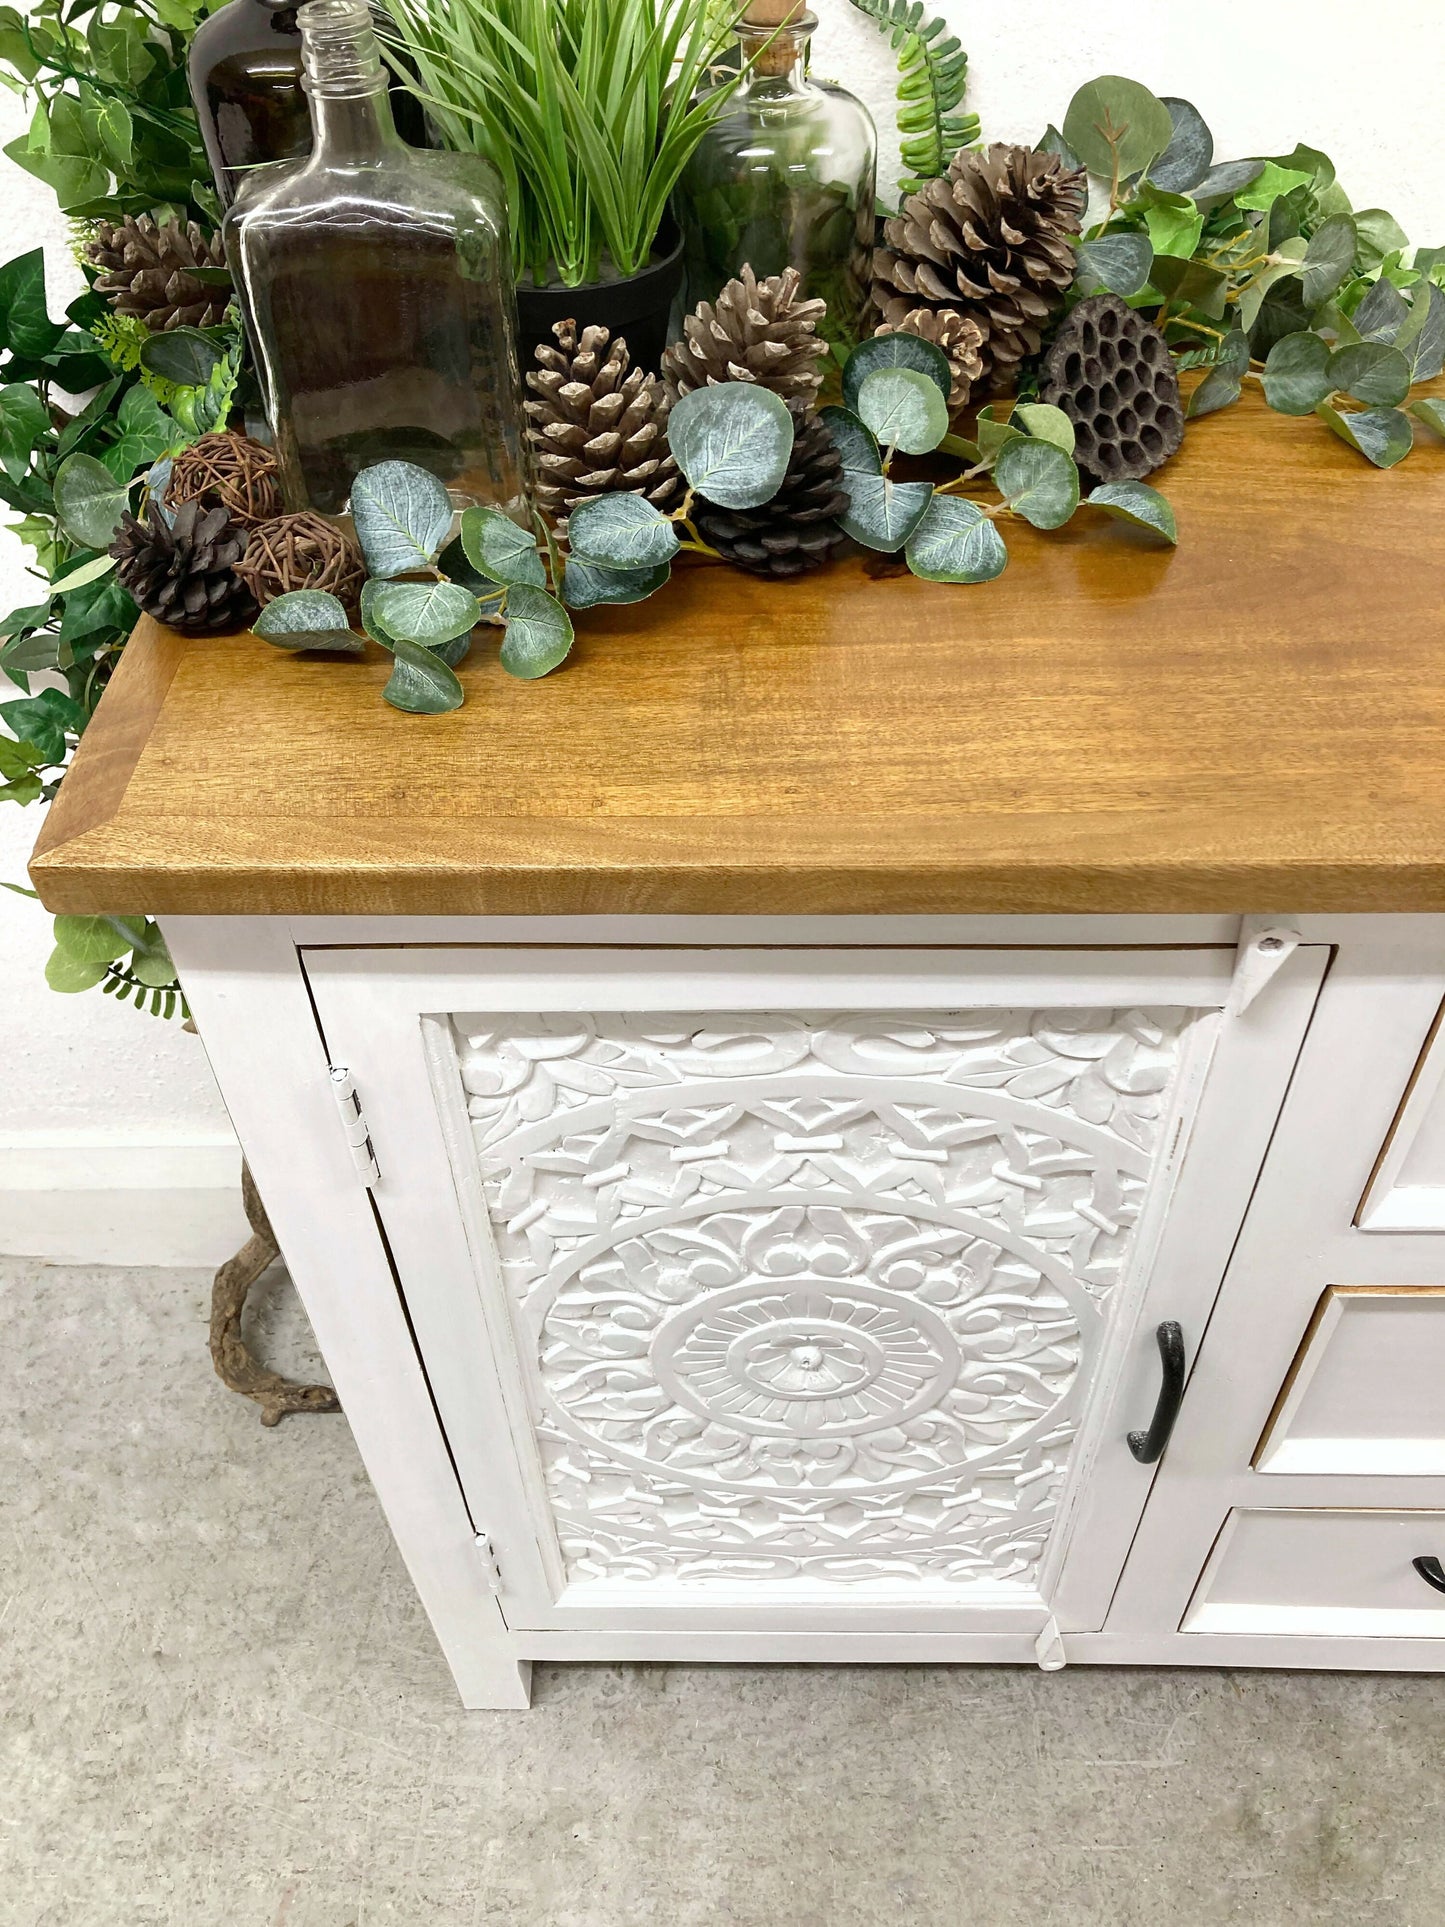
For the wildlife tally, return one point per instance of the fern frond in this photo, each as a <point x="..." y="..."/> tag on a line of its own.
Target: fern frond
<point x="932" y="78"/>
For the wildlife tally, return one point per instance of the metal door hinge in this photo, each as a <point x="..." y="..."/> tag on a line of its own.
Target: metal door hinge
<point x="1265" y="943"/>
<point x="489" y="1564"/>
<point x="363" y="1156"/>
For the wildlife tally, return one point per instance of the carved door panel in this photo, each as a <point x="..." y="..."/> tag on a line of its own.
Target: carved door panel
<point x="754" y="1285"/>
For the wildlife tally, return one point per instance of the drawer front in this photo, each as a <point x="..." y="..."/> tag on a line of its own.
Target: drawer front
<point x="1342" y="1574"/>
<point x="1366" y="1394"/>
<point x="804" y="1285"/>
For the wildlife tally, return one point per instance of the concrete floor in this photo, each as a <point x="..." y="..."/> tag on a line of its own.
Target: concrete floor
<point x="220" y="1704"/>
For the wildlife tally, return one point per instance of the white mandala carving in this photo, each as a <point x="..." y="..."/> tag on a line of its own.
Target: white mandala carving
<point x="812" y="1296"/>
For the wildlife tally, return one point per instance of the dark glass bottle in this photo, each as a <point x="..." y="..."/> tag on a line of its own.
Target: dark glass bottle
<point x="376" y="283"/>
<point x="245" y="74"/>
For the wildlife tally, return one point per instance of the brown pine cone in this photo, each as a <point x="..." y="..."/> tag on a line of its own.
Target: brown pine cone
<point x="597" y="425"/>
<point x="144" y="272"/>
<point x="756" y="331"/>
<point x="185" y="574"/>
<point x="1111" y="372"/>
<point x="993" y="239"/>
<point x="798" y="530"/>
<point x="960" y="338"/>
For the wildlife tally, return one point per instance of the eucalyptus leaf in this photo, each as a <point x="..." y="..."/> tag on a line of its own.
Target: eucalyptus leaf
<point x="370" y="621"/>
<point x="733" y="444"/>
<point x="904" y="410"/>
<point x="1053" y="142"/>
<point x="499" y="550"/>
<point x="1328" y="259"/>
<point x="98" y="939"/>
<point x="956" y="542"/>
<point x="1039" y="482"/>
<point x="1222" y="183"/>
<point x="1297" y="375"/>
<point x="1430" y="409"/>
<point x="454" y="564"/>
<point x="89" y="501"/>
<point x="402" y="515"/>
<point x="1382" y="435"/>
<point x="184" y="356"/>
<point x="308" y="619"/>
<point x="588" y="585"/>
<point x="69" y="974"/>
<point x="1273" y="310"/>
<point x="1117" y="262"/>
<point x="621" y="532"/>
<point x="882" y="514"/>
<point x="1139" y="505"/>
<point x="426" y="612"/>
<point x="1422" y="339"/>
<point x="1378" y="235"/>
<point x="1381" y="313"/>
<point x="1194" y="284"/>
<point x="1187" y="159"/>
<point x="421" y="683"/>
<point x="1372" y="372"/>
<point x="539" y="630"/>
<point x="1117" y="127"/>
<point x="1047" y="424"/>
<point x="995" y="429"/>
<point x="897" y="350"/>
<point x="854" y="442"/>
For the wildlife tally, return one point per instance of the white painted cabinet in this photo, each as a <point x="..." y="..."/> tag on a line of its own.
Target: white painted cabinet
<point x="707" y="1288"/>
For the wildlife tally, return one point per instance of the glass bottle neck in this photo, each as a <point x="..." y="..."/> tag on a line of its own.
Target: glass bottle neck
<point x="777" y="57"/>
<point x="347" y="84"/>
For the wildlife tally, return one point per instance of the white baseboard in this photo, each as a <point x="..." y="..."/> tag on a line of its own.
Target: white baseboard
<point x="86" y="1199"/>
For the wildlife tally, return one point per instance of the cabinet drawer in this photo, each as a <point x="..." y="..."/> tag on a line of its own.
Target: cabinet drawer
<point x="1366" y="1394"/>
<point x="1341" y="1573"/>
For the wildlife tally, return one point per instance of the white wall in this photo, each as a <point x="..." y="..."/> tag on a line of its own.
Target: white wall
<point x="93" y="1097"/>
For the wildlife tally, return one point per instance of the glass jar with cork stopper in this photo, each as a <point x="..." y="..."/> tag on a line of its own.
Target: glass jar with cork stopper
<point x="785" y="178"/>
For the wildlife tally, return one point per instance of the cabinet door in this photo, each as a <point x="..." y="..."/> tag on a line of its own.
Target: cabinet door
<point x="765" y="1289"/>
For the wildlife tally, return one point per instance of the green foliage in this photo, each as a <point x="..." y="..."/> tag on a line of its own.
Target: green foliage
<point x="125" y="956"/>
<point x="589" y="109"/>
<point x="1259" y="270"/>
<point x="932" y="78"/>
<point x="733" y="443"/>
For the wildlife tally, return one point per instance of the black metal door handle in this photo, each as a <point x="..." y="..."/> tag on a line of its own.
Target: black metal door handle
<point x="1431" y="1571"/>
<point x="1149" y="1446"/>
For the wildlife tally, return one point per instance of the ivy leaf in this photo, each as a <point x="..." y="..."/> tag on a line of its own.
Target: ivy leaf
<point x="184" y="356"/>
<point x="854" y="441"/>
<point x="1186" y="160"/>
<point x="43" y="721"/>
<point x="956" y="542"/>
<point x="1115" y="124"/>
<point x="1047" y="424"/>
<point x="539" y="630"/>
<point x="307" y="619"/>
<point x="1431" y="411"/>
<point x="23" y="423"/>
<point x="883" y="514"/>
<point x="733" y="444"/>
<point x="402" y="515"/>
<point x="1193" y="283"/>
<point x="499" y="550"/>
<point x="1139" y="505"/>
<point x="1119" y="263"/>
<point x="1372" y="372"/>
<point x="1271" y="184"/>
<point x="588" y="585"/>
<point x="1297" y="375"/>
<point x="1173" y="221"/>
<point x="430" y="613"/>
<point x="421" y="683"/>
<point x="89" y="501"/>
<point x="621" y="532"/>
<point x="1382" y="435"/>
<point x="87" y="572"/>
<point x="1328" y="259"/>
<point x="903" y="409"/>
<point x="897" y="350"/>
<point x="25" y="325"/>
<point x="1039" y="482"/>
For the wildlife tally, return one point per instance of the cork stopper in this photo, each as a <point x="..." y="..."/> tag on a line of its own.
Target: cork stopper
<point x="762" y="19"/>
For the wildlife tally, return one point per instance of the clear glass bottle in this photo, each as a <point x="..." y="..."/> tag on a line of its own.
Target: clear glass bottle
<point x="786" y="178"/>
<point x="245" y="75"/>
<point x="376" y="282"/>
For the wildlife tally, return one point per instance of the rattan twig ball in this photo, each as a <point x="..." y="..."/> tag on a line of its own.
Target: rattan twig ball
<point x="230" y="472"/>
<point x="302" y="551"/>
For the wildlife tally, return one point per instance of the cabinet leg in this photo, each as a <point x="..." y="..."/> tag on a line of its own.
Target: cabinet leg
<point x="497" y="1685"/>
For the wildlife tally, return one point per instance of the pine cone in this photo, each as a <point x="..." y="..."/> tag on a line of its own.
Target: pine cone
<point x="597" y="425"/>
<point x="960" y="338"/>
<point x="757" y="331"/>
<point x="1114" y="377"/>
<point x="993" y="240"/>
<point x="185" y="575"/>
<point x="144" y="271"/>
<point x="798" y="530"/>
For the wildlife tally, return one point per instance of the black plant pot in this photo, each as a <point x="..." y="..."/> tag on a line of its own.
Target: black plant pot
<point x="638" y="308"/>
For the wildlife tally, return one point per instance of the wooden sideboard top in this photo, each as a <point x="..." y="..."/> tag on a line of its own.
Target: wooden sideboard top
<point x="1255" y="721"/>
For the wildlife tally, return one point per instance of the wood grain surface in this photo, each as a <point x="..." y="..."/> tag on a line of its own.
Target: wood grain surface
<point x="1254" y="722"/>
